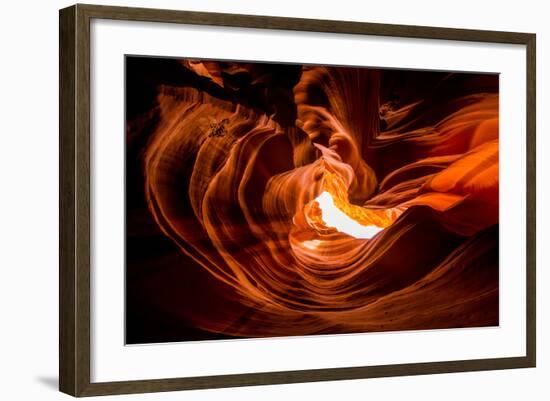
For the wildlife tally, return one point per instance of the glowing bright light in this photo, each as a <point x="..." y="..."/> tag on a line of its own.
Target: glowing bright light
<point x="334" y="217"/>
<point x="311" y="244"/>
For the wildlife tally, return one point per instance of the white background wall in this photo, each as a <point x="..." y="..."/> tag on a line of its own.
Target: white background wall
<point x="29" y="185"/>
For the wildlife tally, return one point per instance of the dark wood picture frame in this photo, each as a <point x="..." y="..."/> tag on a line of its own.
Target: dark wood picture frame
<point x="74" y="204"/>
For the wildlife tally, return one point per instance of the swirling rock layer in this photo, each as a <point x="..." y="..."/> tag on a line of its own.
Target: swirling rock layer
<point x="251" y="170"/>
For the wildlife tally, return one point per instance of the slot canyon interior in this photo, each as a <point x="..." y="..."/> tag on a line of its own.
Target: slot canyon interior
<point x="272" y="199"/>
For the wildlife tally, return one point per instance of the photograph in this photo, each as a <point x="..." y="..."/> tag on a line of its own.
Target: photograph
<point x="275" y="201"/>
<point x="268" y="199"/>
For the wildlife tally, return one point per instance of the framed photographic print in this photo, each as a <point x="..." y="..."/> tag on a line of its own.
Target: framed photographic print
<point x="250" y="200"/>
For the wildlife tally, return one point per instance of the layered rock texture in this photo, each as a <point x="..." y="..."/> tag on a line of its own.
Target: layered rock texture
<point x="309" y="200"/>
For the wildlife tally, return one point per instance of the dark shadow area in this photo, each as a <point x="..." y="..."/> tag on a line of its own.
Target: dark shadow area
<point x="49" y="381"/>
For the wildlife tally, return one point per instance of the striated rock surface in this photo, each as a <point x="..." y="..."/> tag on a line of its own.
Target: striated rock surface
<point x="318" y="206"/>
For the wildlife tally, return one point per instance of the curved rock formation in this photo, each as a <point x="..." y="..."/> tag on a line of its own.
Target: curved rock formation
<point x="347" y="216"/>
